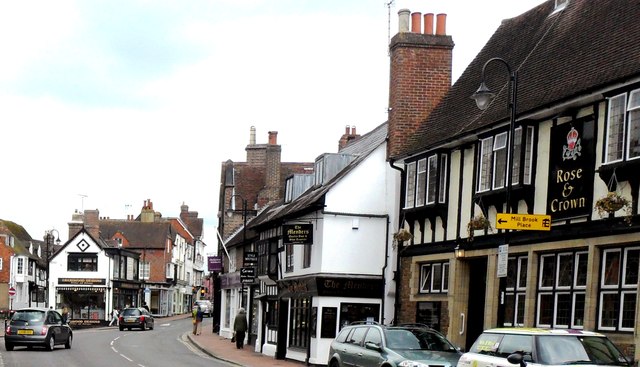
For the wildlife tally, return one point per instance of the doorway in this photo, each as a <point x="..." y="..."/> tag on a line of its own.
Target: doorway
<point x="477" y="292"/>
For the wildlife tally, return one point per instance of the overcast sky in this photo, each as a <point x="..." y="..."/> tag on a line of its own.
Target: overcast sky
<point x="104" y="104"/>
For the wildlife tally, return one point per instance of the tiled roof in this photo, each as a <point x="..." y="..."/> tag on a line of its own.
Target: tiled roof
<point x="558" y="56"/>
<point x="139" y="234"/>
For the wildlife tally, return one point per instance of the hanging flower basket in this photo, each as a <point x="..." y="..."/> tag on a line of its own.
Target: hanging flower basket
<point x="611" y="203"/>
<point x="479" y="222"/>
<point x="402" y="235"/>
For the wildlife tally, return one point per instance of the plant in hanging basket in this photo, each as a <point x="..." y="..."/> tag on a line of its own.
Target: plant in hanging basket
<point x="479" y="222"/>
<point x="402" y="235"/>
<point x="611" y="203"/>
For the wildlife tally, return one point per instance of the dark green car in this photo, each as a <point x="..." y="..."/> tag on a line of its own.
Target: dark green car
<point x="370" y="344"/>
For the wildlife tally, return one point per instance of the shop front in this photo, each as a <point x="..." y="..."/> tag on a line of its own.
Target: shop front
<point x="126" y="294"/>
<point x="83" y="299"/>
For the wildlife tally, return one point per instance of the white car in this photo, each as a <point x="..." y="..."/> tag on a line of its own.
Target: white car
<point x="542" y="347"/>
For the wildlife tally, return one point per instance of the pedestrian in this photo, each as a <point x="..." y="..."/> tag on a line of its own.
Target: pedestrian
<point x="65" y="314"/>
<point x="114" y="317"/>
<point x="199" y="317"/>
<point x="144" y="305"/>
<point x="240" y="327"/>
<point x="194" y="314"/>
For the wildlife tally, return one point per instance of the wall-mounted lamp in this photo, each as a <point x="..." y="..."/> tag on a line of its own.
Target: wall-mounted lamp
<point x="459" y="252"/>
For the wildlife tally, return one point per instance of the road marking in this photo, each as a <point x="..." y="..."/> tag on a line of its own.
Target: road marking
<point x="125" y="357"/>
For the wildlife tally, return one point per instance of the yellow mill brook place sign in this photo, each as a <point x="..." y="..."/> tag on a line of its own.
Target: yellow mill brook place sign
<point x="531" y="222"/>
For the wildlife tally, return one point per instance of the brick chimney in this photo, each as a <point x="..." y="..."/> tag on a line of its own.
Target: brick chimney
<point x="420" y="75"/>
<point x="147" y="214"/>
<point x="272" y="167"/>
<point x="348" y="136"/>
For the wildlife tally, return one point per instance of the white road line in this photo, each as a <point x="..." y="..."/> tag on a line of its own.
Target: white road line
<point x="125" y="357"/>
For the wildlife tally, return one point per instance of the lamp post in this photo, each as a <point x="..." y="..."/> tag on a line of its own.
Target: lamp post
<point x="483" y="97"/>
<point x="230" y="212"/>
<point x="48" y="239"/>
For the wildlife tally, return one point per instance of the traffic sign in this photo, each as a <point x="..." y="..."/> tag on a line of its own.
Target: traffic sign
<point x="12" y="292"/>
<point x="527" y="222"/>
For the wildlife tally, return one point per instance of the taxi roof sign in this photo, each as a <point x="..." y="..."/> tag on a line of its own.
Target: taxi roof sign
<point x="527" y="222"/>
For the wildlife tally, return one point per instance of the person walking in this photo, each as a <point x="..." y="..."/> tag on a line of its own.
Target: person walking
<point x="194" y="317"/>
<point x="199" y="317"/>
<point x="114" y="317"/>
<point x="240" y="327"/>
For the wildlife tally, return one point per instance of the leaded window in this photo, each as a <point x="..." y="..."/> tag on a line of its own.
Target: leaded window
<point x="623" y="127"/>
<point x="618" y="288"/>
<point x="516" y="288"/>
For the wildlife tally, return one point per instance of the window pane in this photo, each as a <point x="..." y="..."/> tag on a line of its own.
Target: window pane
<point x="486" y="164"/>
<point x="631" y="267"/>
<point x="442" y="190"/>
<point x="563" y="309"/>
<point x="547" y="271"/>
<point x="578" y="309"/>
<point x="634" y="124"/>
<point x="437" y="277"/>
<point x="432" y="179"/>
<point x="517" y="149"/>
<point x="511" y="273"/>
<point x="628" y="310"/>
<point x="611" y="271"/>
<point x="411" y="185"/>
<point x="528" y="156"/>
<point x="615" y="128"/>
<point x="520" y="298"/>
<point x="500" y="161"/>
<point x="421" y="182"/>
<point x="509" y="308"/>
<point x="609" y="310"/>
<point x="565" y="270"/>
<point x="581" y="269"/>
<point x="445" y="277"/>
<point x="522" y="275"/>
<point x="425" y="277"/>
<point x="545" y="309"/>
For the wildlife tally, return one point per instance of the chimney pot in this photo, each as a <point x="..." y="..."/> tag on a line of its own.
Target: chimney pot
<point x="428" y="23"/>
<point x="441" y="27"/>
<point x="403" y="20"/>
<point x="252" y="135"/>
<point x="416" y="22"/>
<point x="346" y="129"/>
<point x="353" y="130"/>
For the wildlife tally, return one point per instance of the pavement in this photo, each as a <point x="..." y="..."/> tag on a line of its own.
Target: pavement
<point x="221" y="348"/>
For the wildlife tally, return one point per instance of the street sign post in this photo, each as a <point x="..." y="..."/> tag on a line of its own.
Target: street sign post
<point x="527" y="222"/>
<point x="12" y="292"/>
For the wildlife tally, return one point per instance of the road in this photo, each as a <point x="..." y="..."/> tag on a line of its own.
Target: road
<point x="107" y="347"/>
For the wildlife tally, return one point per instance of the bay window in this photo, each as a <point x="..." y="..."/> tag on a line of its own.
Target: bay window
<point x="426" y="181"/>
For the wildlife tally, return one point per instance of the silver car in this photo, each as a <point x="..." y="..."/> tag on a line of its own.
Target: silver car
<point x="37" y="327"/>
<point x="205" y="306"/>
<point x="369" y="344"/>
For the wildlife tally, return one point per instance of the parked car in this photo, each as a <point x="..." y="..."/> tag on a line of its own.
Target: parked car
<point x="542" y="347"/>
<point x="37" y="327"/>
<point x="205" y="306"/>
<point x="135" y="317"/>
<point x="371" y="344"/>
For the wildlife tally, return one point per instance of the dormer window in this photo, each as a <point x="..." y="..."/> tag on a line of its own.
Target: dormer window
<point x="426" y="181"/>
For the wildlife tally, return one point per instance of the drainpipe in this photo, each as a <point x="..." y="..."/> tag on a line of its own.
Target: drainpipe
<point x="384" y="267"/>
<point x="397" y="303"/>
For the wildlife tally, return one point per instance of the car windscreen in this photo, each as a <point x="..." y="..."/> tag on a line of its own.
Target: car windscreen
<point x="31" y="317"/>
<point x="131" y="312"/>
<point x="576" y="349"/>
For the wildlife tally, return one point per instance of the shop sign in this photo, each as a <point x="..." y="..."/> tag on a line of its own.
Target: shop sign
<point x="250" y="258"/>
<point x="571" y="169"/>
<point x="297" y="234"/>
<point x="214" y="263"/>
<point x="350" y="287"/>
<point x="82" y="281"/>
<point x="247" y="275"/>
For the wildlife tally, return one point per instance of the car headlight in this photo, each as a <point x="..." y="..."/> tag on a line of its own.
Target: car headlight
<point x="409" y="363"/>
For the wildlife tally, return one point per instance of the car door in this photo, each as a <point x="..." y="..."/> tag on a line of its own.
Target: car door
<point x="371" y="356"/>
<point x="492" y="350"/>
<point x="55" y="326"/>
<point x="353" y="346"/>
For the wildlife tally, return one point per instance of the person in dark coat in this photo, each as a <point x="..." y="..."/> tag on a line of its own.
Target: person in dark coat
<point x="240" y="327"/>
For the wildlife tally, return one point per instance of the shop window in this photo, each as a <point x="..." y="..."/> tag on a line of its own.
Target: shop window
<point x="623" y="127"/>
<point x="434" y="277"/>
<point x="618" y="289"/>
<point x="82" y="262"/>
<point x="299" y="325"/>
<point x="516" y="289"/>
<point x="561" y="290"/>
<point x="350" y="312"/>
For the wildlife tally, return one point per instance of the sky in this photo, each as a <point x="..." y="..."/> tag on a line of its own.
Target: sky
<point x="105" y="104"/>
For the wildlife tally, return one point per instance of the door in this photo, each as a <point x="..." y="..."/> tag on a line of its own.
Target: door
<point x="477" y="291"/>
<point x="283" y="327"/>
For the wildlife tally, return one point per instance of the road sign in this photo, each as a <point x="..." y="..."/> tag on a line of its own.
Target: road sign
<point x="527" y="222"/>
<point x="12" y="292"/>
<point x="503" y="261"/>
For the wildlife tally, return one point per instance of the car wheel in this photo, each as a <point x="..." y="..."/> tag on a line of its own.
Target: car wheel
<point x="143" y="326"/>
<point x="334" y="363"/>
<point x="51" y="343"/>
<point x="8" y="347"/>
<point x="129" y="328"/>
<point x="151" y="326"/>
<point x="67" y="345"/>
<point x="121" y="328"/>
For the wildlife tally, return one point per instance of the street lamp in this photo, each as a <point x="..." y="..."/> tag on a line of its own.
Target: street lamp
<point x="48" y="235"/>
<point x="230" y="212"/>
<point x="483" y="97"/>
